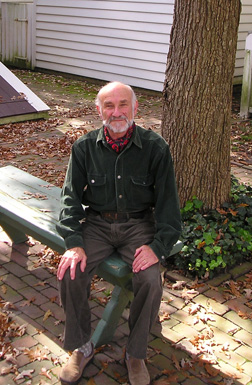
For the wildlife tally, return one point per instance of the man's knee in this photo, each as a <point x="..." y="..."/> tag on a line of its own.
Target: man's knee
<point x="150" y="279"/>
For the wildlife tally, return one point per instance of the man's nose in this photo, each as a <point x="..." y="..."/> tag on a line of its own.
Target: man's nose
<point x="116" y="112"/>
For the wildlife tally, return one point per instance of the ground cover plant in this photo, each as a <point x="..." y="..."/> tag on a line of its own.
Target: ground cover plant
<point x="217" y="239"/>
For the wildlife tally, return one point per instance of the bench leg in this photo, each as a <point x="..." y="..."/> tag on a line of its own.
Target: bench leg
<point x="112" y="313"/>
<point x="15" y="235"/>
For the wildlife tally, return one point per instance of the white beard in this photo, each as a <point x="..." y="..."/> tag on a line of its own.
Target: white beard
<point x="118" y="127"/>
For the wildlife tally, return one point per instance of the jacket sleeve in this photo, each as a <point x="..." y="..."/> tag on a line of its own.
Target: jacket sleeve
<point x="72" y="211"/>
<point x="167" y="210"/>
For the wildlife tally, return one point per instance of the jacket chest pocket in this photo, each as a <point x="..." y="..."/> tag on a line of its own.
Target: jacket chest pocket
<point x="142" y="188"/>
<point x="96" y="190"/>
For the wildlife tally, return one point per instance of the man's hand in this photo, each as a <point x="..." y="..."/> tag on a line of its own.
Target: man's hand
<point x="144" y="258"/>
<point x="70" y="259"/>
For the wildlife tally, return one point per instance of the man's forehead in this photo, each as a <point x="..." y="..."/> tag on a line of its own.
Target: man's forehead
<point x="121" y="96"/>
<point x="116" y="91"/>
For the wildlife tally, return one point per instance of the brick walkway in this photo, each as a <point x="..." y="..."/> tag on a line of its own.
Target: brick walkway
<point x="201" y="339"/>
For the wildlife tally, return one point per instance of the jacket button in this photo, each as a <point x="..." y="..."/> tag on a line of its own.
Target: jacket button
<point x="92" y="181"/>
<point x="120" y="196"/>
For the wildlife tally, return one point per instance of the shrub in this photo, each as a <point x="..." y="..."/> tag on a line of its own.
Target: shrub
<point x="218" y="239"/>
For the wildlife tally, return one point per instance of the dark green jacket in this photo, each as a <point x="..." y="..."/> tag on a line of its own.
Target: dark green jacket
<point x="141" y="176"/>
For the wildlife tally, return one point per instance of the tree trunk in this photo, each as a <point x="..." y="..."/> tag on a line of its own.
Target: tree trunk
<point x="197" y="97"/>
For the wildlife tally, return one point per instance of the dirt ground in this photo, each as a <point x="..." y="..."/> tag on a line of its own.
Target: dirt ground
<point x="73" y="112"/>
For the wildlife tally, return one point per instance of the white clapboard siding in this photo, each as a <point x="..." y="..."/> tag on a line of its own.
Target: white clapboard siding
<point x="107" y="40"/>
<point x="126" y="40"/>
<point x="244" y="27"/>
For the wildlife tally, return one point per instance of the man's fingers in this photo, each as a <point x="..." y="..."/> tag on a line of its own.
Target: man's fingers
<point x="70" y="259"/>
<point x="73" y="268"/>
<point x="83" y="264"/>
<point x="144" y="258"/>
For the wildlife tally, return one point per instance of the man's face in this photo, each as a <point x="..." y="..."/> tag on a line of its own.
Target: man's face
<point x="117" y="111"/>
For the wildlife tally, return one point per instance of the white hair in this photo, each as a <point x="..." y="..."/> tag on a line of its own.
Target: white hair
<point x="110" y="85"/>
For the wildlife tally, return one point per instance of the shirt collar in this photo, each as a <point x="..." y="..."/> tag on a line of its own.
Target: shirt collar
<point x="134" y="139"/>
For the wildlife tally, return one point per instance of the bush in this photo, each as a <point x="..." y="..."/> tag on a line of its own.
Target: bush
<point x="218" y="239"/>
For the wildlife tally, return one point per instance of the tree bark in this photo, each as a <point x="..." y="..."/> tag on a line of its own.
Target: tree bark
<point x="197" y="97"/>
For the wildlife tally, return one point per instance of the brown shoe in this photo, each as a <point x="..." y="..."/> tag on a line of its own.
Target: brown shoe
<point x="137" y="371"/>
<point x="71" y="373"/>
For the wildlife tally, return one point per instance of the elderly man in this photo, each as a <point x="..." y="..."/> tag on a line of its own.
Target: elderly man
<point x="123" y="175"/>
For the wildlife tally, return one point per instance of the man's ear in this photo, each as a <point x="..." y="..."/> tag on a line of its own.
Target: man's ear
<point x="136" y="107"/>
<point x="99" y="111"/>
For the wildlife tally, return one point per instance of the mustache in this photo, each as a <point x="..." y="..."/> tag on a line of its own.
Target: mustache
<point x="113" y="118"/>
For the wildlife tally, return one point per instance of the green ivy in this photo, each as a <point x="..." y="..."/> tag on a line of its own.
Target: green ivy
<point x="218" y="239"/>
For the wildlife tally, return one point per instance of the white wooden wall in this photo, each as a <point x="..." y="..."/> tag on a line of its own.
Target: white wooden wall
<point x="0" y="31"/>
<point x="16" y="33"/>
<point x="124" y="40"/>
<point x="244" y="27"/>
<point x="108" y="40"/>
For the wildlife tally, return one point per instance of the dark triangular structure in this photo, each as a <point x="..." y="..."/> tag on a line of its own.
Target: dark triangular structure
<point x="17" y="101"/>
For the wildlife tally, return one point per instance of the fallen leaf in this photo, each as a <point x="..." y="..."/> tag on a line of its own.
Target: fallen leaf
<point x="211" y="370"/>
<point x="194" y="308"/>
<point x="91" y="381"/>
<point x="244" y="315"/>
<point x="189" y="294"/>
<point x="233" y="289"/>
<point x="4" y="289"/>
<point x="37" y="354"/>
<point x="7" y="370"/>
<point x="225" y="347"/>
<point x="238" y="367"/>
<point x="9" y="306"/>
<point x="176" y="362"/>
<point x="186" y="364"/>
<point x="47" y="314"/>
<point x="201" y="244"/>
<point x="45" y="372"/>
<point x="178" y="285"/>
<point x="164" y="316"/>
<point x="28" y="302"/>
<point x="24" y="373"/>
<point x="234" y="213"/>
<point x="248" y="293"/>
<point x="11" y="359"/>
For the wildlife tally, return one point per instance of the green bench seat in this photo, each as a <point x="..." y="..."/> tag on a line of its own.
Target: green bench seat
<point x="30" y="206"/>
